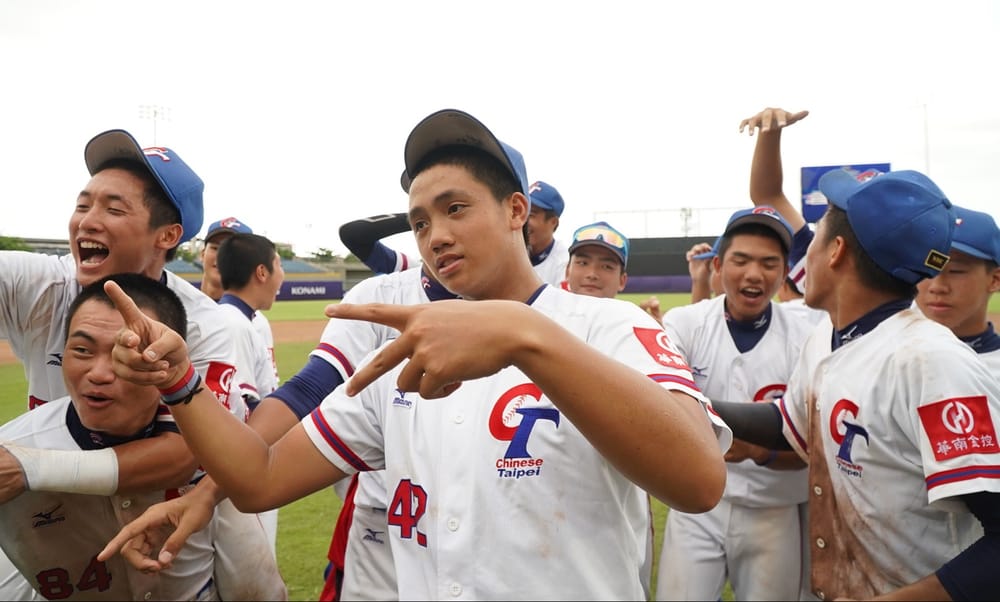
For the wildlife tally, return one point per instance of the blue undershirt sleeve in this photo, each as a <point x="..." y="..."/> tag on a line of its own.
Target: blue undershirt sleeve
<point x="972" y="575"/>
<point x="304" y="392"/>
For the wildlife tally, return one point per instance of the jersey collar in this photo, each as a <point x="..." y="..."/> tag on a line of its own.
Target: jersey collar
<point x="88" y="439"/>
<point x="537" y="259"/>
<point x="868" y="322"/>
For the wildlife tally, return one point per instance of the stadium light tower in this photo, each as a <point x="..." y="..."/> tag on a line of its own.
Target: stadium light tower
<point x="154" y="113"/>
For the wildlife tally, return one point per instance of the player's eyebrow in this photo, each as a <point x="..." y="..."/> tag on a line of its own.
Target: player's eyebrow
<point x="750" y="257"/>
<point x="443" y="197"/>
<point x="83" y="334"/>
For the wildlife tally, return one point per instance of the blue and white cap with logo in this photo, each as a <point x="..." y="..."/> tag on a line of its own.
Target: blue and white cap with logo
<point x="764" y="215"/>
<point x="546" y="196"/>
<point x="179" y="182"/>
<point x="976" y="234"/>
<point x="901" y="218"/>
<point x="601" y="234"/>
<point x="451" y="127"/>
<point x="229" y="225"/>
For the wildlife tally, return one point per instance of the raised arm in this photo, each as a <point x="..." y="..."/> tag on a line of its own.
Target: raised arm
<point x="362" y="237"/>
<point x="766" y="174"/>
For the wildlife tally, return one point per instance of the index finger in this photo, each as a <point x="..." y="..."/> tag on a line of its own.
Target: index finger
<point x="128" y="532"/>
<point x="388" y="314"/>
<point x="386" y="359"/>
<point x="125" y="305"/>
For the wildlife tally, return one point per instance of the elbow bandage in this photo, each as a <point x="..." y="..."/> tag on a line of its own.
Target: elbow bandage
<point x="93" y="472"/>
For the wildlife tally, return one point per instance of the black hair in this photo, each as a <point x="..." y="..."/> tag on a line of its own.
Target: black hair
<point x="483" y="166"/>
<point x="162" y="211"/>
<point x="869" y="272"/>
<point x="240" y="254"/>
<point x="148" y="294"/>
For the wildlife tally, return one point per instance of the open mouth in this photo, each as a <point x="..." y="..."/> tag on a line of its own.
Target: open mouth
<point x="92" y="253"/>
<point x="752" y="293"/>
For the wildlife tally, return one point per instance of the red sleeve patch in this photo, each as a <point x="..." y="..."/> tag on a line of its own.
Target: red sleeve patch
<point x="959" y="427"/>
<point x="658" y="346"/>
<point x="219" y="378"/>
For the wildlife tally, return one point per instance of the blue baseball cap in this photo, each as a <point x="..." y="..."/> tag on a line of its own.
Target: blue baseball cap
<point x="976" y="234"/>
<point x="601" y="234"/>
<point x="227" y="224"/>
<point x="451" y="127"/>
<point x="901" y="218"/>
<point x="764" y="215"/>
<point x="547" y="197"/>
<point x="179" y="182"/>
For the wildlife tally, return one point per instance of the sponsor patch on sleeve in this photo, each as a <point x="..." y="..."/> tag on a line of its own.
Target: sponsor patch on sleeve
<point x="219" y="378"/>
<point x="958" y="427"/>
<point x="658" y="346"/>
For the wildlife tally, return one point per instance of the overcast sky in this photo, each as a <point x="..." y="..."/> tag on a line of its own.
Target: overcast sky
<point x="295" y="112"/>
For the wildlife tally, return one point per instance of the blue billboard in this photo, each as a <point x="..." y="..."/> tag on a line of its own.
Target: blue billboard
<point x="813" y="201"/>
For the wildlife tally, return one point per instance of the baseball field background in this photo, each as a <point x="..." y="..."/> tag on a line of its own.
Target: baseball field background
<point x="305" y="526"/>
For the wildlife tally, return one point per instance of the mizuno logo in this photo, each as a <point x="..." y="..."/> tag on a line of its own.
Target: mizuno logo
<point x="56" y="359"/>
<point x="373" y="536"/>
<point x="401" y="400"/>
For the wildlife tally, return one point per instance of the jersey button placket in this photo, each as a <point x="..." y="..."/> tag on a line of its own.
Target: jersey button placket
<point x="455" y="589"/>
<point x="126" y="504"/>
<point x="453" y="524"/>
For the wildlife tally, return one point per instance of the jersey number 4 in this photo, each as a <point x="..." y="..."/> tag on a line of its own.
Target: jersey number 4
<point x="54" y="584"/>
<point x="408" y="504"/>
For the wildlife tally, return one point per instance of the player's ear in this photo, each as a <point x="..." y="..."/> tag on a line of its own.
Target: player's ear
<point x="838" y="251"/>
<point x="995" y="281"/>
<point x="519" y="209"/>
<point x="169" y="236"/>
<point x="622" y="282"/>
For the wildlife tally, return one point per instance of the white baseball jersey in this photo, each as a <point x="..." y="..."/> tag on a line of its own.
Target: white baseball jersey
<point x="722" y="372"/>
<point x="494" y="494"/>
<point x="368" y="565"/>
<point x="251" y="350"/>
<point x="35" y="293"/>
<point x="53" y="538"/>
<point x="799" y="307"/>
<point x="552" y="269"/>
<point x="747" y="537"/>
<point x="263" y="327"/>
<point x="900" y="421"/>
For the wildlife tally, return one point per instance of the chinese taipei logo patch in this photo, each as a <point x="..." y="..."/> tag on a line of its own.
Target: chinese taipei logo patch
<point x="515" y="415"/>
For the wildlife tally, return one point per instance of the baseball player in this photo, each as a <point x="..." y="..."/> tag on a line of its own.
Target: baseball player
<point x="211" y="282"/>
<point x="598" y="257"/>
<point x="138" y="205"/>
<point x="741" y="346"/>
<point x="959" y="296"/>
<point x="53" y="538"/>
<point x="900" y="438"/>
<point x="504" y="466"/>
<point x="251" y="274"/>
<point x="548" y="255"/>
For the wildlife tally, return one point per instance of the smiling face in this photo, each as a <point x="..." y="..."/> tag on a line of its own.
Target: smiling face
<point x="469" y="241"/>
<point x="751" y="271"/>
<point x="103" y="401"/>
<point x="109" y="230"/>
<point x="958" y="297"/>
<point x="595" y="271"/>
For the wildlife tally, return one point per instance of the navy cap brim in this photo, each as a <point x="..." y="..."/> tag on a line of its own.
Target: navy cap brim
<point x="451" y="127"/>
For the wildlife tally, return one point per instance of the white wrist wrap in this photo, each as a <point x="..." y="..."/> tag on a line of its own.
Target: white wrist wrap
<point x="93" y="472"/>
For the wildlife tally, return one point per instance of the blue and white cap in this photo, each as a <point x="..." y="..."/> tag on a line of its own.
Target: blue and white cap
<point x="179" y="182"/>
<point x="225" y="225"/>
<point x="451" y="127"/>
